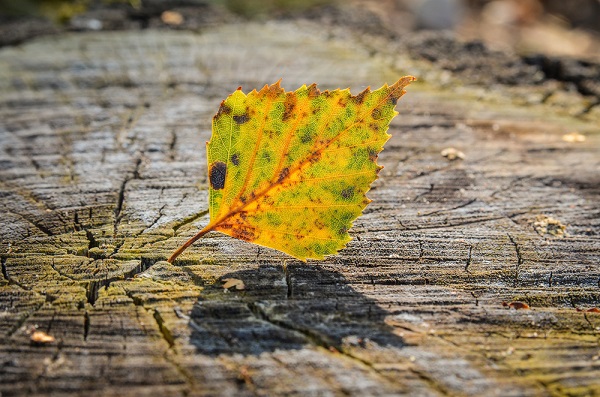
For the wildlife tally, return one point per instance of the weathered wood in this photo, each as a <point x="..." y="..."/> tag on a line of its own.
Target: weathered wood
<point x="103" y="175"/>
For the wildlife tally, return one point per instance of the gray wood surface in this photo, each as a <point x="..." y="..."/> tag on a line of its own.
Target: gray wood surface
<point x="103" y="175"/>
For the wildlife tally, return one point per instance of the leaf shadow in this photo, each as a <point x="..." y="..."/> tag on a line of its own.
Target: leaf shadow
<point x="287" y="309"/>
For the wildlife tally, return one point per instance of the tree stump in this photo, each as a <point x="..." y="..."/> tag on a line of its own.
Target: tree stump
<point x="103" y="175"/>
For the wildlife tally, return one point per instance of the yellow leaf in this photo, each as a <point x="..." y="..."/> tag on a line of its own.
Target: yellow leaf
<point x="290" y="170"/>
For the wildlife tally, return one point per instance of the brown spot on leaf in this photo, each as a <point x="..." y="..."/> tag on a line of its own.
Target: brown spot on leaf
<point x="393" y="100"/>
<point x="315" y="157"/>
<point x="342" y="102"/>
<point x="274" y="90"/>
<point x="373" y="154"/>
<point x="360" y="98"/>
<point x="223" y="109"/>
<point x="289" y="106"/>
<point x="313" y="91"/>
<point x="244" y="234"/>
<point x="374" y="127"/>
<point x="347" y="193"/>
<point x="216" y="175"/>
<point x="241" y="119"/>
<point x="376" y="114"/>
<point x="235" y="159"/>
<point x="283" y="174"/>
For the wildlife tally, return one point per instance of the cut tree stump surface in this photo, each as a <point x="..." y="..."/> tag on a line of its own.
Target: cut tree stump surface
<point x="103" y="175"/>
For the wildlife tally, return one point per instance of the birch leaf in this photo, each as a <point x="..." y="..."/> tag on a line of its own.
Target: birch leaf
<point x="290" y="170"/>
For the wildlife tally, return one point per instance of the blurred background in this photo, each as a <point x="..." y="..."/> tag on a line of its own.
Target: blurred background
<point x="552" y="27"/>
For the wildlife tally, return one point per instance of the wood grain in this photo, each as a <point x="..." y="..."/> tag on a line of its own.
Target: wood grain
<point x="103" y="175"/>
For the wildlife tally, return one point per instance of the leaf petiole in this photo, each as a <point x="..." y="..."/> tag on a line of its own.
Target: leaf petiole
<point x="191" y="241"/>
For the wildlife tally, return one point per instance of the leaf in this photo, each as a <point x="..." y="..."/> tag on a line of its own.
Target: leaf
<point x="290" y="170"/>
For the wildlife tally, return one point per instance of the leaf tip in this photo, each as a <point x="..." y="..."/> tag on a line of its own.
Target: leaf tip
<point x="313" y="91"/>
<point x="404" y="81"/>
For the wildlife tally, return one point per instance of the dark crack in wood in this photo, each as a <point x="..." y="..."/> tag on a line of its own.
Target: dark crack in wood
<point x="519" y="260"/>
<point x="188" y="220"/>
<point x="469" y="259"/>
<point x="135" y="174"/>
<point x="86" y="325"/>
<point x="442" y="210"/>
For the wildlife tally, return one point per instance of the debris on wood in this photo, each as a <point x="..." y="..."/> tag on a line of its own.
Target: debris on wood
<point x="590" y="310"/>
<point x="546" y="225"/>
<point x="233" y="283"/>
<point x="452" y="154"/>
<point x="573" y="137"/>
<point x="41" y="338"/>
<point x="245" y="376"/>
<point x="517" y="305"/>
<point x="172" y="18"/>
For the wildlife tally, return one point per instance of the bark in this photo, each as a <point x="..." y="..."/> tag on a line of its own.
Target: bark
<point x="103" y="176"/>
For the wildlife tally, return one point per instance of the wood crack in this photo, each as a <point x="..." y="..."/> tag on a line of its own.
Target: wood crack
<point x="188" y="220"/>
<point x="86" y="325"/>
<point x="446" y="226"/>
<point x="418" y="196"/>
<point x="429" y="380"/>
<point x="35" y="223"/>
<point x="22" y="320"/>
<point x="121" y="196"/>
<point x="519" y="260"/>
<point x="4" y="270"/>
<point x="53" y="266"/>
<point x="469" y="259"/>
<point x="93" y="287"/>
<point x="172" y="144"/>
<point x="315" y="339"/>
<point x="155" y="221"/>
<point x="441" y="210"/>
<point x="288" y="280"/>
<point x="10" y="280"/>
<point x="166" y="333"/>
<point x="168" y="337"/>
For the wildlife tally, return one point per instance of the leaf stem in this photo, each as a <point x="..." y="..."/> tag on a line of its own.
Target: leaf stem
<point x="191" y="241"/>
